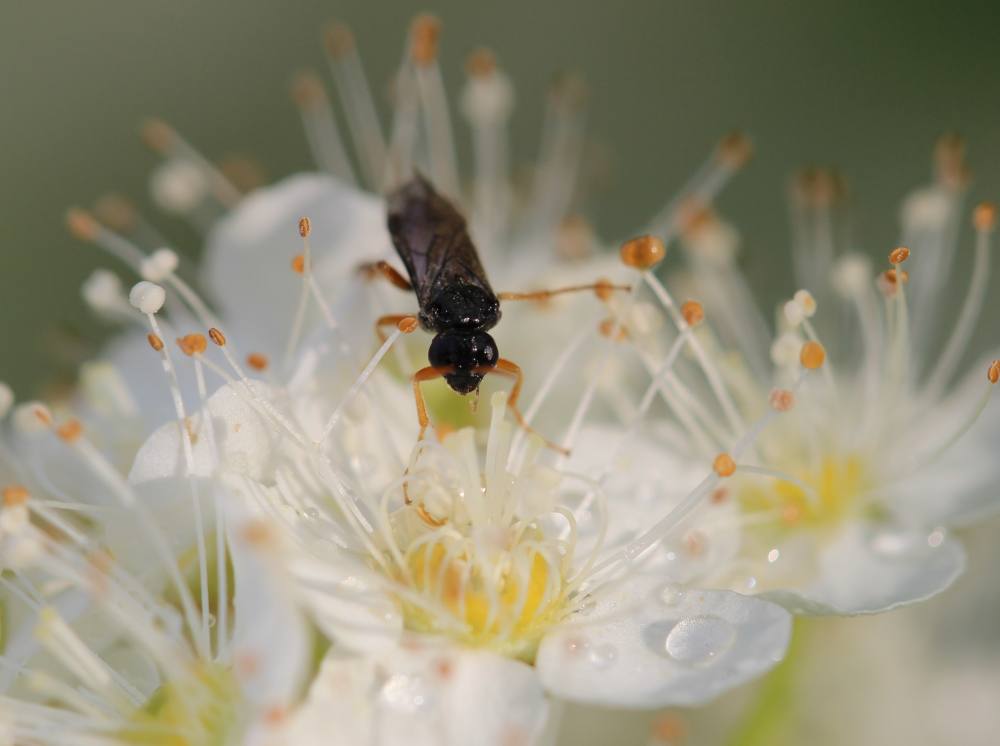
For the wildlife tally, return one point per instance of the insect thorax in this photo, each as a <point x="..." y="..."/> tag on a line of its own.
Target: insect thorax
<point x="460" y="307"/>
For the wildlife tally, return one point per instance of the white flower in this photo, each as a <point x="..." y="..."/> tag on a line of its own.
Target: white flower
<point x="121" y="626"/>
<point x="846" y="498"/>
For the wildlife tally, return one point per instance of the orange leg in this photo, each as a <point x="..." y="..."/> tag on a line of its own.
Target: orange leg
<point x="390" y="320"/>
<point x="513" y="370"/>
<point x="387" y="272"/>
<point x="424" y="374"/>
<point x="602" y="288"/>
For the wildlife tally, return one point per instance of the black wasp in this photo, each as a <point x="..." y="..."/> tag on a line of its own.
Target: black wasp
<point x="456" y="301"/>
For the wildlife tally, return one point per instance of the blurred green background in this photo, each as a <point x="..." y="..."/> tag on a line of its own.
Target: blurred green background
<point x="860" y="85"/>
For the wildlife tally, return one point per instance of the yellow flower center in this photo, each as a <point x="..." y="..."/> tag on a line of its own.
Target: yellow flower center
<point x="506" y="604"/>
<point x="198" y="711"/>
<point x="822" y="496"/>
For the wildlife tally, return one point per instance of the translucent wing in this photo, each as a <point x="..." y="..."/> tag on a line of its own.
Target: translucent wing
<point x="431" y="238"/>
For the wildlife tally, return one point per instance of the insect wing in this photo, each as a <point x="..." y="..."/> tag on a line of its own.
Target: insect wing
<point x="431" y="239"/>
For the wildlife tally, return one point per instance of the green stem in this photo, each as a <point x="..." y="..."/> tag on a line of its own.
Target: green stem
<point x="769" y="719"/>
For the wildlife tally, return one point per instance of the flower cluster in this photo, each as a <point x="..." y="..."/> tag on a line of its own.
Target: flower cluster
<point x="239" y="531"/>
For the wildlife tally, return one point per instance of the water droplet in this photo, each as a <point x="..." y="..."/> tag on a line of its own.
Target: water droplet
<point x="575" y="645"/>
<point x="773" y="555"/>
<point x="406" y="693"/>
<point x="602" y="656"/>
<point x="211" y="620"/>
<point x="671" y="595"/>
<point x="935" y="538"/>
<point x="890" y="543"/>
<point x="312" y="514"/>
<point x="699" y="639"/>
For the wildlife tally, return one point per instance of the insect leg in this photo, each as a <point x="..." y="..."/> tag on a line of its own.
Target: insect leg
<point x="513" y="370"/>
<point x="386" y="271"/>
<point x="601" y="288"/>
<point x="426" y="374"/>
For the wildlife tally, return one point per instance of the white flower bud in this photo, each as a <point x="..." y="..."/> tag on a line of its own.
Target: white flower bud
<point x="159" y="265"/>
<point x="852" y="274"/>
<point x="147" y="297"/>
<point x="806" y="302"/>
<point x="793" y="312"/>
<point x="178" y="186"/>
<point x="102" y="291"/>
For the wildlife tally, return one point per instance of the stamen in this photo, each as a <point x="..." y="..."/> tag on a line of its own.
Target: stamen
<point x="321" y="126"/>
<point x="731" y="154"/>
<point x="302" y="264"/>
<point x="425" y="32"/>
<point x="162" y="138"/>
<point x="149" y="298"/>
<point x="984" y="219"/>
<point x="258" y="361"/>
<point x="559" y="156"/>
<point x="358" y="104"/>
<point x="487" y="102"/>
<point x="643" y="252"/>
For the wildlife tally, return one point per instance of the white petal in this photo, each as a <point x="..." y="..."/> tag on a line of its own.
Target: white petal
<point x="651" y="646"/>
<point x="421" y="698"/>
<point x="240" y="440"/>
<point x="868" y="569"/>
<point x="271" y="641"/>
<point x="249" y="252"/>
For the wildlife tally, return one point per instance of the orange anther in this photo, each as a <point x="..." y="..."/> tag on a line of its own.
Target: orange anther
<point x="42" y="415"/>
<point x="719" y="495"/>
<point x="70" y="430"/>
<point x="305" y="227"/>
<point x="192" y="344"/>
<point x="891" y="275"/>
<point x="724" y="465"/>
<point x="15" y="494"/>
<point x="899" y="255"/>
<point x="81" y="224"/>
<point x="424" y="34"/>
<point x="407" y="324"/>
<point x="339" y="40"/>
<point x="735" y="150"/>
<point x="482" y="63"/>
<point x="158" y="135"/>
<point x="812" y="355"/>
<point x="993" y="374"/>
<point x="307" y="90"/>
<point x="692" y="312"/>
<point x="613" y="329"/>
<point x="257" y="361"/>
<point x="217" y="337"/>
<point x="604" y="288"/>
<point x="984" y="217"/>
<point x="299" y="263"/>
<point x="781" y="400"/>
<point x="643" y="252"/>
<point x="154" y="341"/>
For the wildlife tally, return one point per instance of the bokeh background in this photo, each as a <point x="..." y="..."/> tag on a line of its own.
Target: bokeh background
<point x="863" y="86"/>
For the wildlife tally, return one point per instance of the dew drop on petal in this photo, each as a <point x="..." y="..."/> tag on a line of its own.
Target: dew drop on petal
<point x="773" y="555"/>
<point x="699" y="639"/>
<point x="935" y="538"/>
<point x="893" y="544"/>
<point x="406" y="694"/>
<point x="671" y="595"/>
<point x="575" y="645"/>
<point x="602" y="656"/>
<point x="312" y="514"/>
